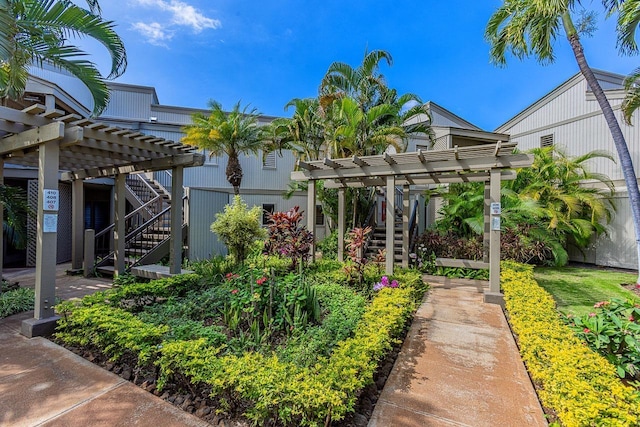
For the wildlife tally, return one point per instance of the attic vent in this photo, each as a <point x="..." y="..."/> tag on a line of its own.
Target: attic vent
<point x="269" y="161"/>
<point x="546" y="141"/>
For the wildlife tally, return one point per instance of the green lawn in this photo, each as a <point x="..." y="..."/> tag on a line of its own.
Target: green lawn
<point x="577" y="289"/>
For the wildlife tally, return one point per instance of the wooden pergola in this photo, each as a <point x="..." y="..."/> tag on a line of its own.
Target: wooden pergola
<point x="74" y="148"/>
<point x="488" y="163"/>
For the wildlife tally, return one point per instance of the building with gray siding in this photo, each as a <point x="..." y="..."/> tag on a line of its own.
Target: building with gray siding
<point x="570" y="118"/>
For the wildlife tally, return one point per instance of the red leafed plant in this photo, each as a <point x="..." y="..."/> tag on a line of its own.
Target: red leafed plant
<point x="356" y="239"/>
<point x="287" y="237"/>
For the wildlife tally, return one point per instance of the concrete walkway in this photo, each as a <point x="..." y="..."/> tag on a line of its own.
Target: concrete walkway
<point x="459" y="366"/>
<point x="43" y="384"/>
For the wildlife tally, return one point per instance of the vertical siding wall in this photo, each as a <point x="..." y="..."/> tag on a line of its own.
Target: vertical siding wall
<point x="203" y="206"/>
<point x="205" y="203"/>
<point x="574" y="118"/>
<point x="618" y="248"/>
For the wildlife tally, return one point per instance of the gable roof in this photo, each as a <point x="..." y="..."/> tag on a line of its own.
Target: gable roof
<point x="459" y="121"/>
<point x="612" y="80"/>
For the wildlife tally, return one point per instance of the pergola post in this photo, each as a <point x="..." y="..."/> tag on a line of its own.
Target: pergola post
<point x="390" y="223"/>
<point x="77" y="224"/>
<point x="44" y="319"/>
<point x="175" y="251"/>
<point x="487" y="222"/>
<point x="311" y="216"/>
<point x="493" y="295"/>
<point x="341" y="223"/>
<point x="119" y="231"/>
<point x="405" y="225"/>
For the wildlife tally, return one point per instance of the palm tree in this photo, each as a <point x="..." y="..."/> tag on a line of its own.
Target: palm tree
<point x="529" y="28"/>
<point x="33" y="32"/>
<point x="303" y="133"/>
<point x="232" y="133"/>
<point x="627" y="24"/>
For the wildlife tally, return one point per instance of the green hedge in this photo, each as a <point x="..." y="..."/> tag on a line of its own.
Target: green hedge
<point x="578" y="384"/>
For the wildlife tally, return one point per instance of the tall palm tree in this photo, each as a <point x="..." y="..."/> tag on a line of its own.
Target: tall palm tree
<point x="33" y="32"/>
<point x="529" y="28"/>
<point x="232" y="133"/>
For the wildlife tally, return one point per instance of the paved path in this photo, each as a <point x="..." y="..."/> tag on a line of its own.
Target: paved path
<point x="459" y="366"/>
<point x="43" y="384"/>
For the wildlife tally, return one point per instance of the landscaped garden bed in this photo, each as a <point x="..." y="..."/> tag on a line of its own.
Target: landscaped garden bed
<point x="254" y="344"/>
<point x="575" y="384"/>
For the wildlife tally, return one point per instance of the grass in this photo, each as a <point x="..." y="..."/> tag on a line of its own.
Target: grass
<point x="576" y="290"/>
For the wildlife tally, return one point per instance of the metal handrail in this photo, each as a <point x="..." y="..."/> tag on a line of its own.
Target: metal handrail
<point x="413" y="223"/>
<point x="129" y="237"/>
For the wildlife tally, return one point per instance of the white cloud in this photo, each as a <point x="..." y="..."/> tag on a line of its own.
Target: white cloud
<point x="154" y="32"/>
<point x="184" y="14"/>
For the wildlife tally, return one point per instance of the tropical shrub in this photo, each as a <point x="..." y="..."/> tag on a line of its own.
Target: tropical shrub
<point x="517" y="244"/>
<point x="581" y="386"/>
<point x="288" y="237"/>
<point x="16" y="301"/>
<point x="544" y="210"/>
<point x="356" y="239"/>
<point x="613" y="330"/>
<point x="238" y="227"/>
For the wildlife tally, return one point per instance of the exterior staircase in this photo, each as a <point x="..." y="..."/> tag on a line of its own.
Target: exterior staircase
<point x="378" y="238"/>
<point x="147" y="225"/>
<point x="378" y="241"/>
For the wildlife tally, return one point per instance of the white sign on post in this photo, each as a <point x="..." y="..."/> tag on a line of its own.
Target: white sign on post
<point x="495" y="223"/>
<point x="50" y="223"/>
<point x="51" y="200"/>
<point x="496" y="209"/>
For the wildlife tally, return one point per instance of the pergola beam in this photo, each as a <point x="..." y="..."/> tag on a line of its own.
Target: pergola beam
<point x="32" y="138"/>
<point x="192" y="159"/>
<point x="463" y="165"/>
<point x="506" y="175"/>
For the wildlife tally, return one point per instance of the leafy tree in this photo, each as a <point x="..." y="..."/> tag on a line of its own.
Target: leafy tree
<point x="232" y="133"/>
<point x="529" y="28"/>
<point x="238" y="227"/>
<point x="33" y="32"/>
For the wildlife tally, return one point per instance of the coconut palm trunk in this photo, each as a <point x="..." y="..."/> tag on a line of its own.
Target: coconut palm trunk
<point x="619" y="141"/>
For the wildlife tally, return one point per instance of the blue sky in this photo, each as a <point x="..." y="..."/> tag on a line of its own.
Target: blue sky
<point x="266" y="53"/>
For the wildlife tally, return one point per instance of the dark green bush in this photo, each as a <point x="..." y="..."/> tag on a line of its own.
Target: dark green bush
<point x="16" y="301"/>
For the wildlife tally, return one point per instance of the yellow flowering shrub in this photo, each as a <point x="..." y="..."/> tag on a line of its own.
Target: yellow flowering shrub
<point x="578" y="384"/>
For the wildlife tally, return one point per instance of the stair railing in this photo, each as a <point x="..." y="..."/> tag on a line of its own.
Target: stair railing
<point x="413" y="227"/>
<point x="150" y="203"/>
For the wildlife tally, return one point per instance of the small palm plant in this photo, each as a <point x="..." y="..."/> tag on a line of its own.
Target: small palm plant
<point x="232" y="133"/>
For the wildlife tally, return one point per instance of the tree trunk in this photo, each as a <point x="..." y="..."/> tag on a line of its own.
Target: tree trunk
<point x="626" y="164"/>
<point x="234" y="172"/>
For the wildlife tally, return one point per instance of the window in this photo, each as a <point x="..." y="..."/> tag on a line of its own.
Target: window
<point x="546" y="141"/>
<point x="319" y="215"/>
<point x="269" y="161"/>
<point x="267" y="208"/>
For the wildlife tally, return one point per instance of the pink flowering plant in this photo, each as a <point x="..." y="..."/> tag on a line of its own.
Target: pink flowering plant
<point x="613" y="330"/>
<point x="385" y="283"/>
